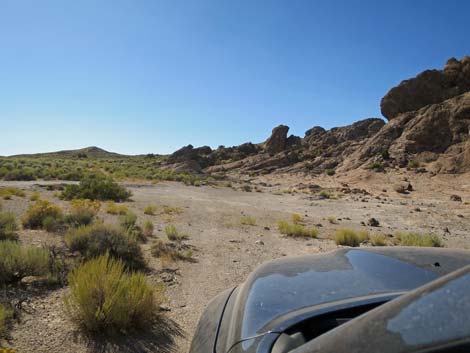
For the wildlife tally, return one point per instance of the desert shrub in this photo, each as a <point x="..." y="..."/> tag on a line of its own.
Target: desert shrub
<point x="5" y="315"/>
<point x="96" y="187"/>
<point x="296" y="230"/>
<point x="347" y="237"/>
<point x="248" y="221"/>
<point x="8" y="192"/>
<point x="35" y="196"/>
<point x="18" y="261"/>
<point x="413" y="164"/>
<point x="8" y="227"/>
<point x="105" y="298"/>
<point x="113" y="208"/>
<point x="98" y="239"/>
<point x="20" y="174"/>
<point x="173" y="234"/>
<point x="246" y="188"/>
<point x="332" y="220"/>
<point x="128" y="222"/>
<point x="42" y="211"/>
<point x="150" y="210"/>
<point x="385" y="154"/>
<point x="171" y="210"/>
<point x="324" y="194"/>
<point x="330" y="172"/>
<point x="296" y="218"/>
<point x="147" y="229"/>
<point x="82" y="212"/>
<point x="170" y="251"/>
<point x="416" y="239"/>
<point x="377" y="166"/>
<point x="378" y="240"/>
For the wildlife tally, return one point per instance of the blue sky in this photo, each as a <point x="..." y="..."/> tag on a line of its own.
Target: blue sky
<point x="141" y="76"/>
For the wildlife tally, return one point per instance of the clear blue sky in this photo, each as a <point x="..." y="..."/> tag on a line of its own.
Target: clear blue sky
<point x="141" y="76"/>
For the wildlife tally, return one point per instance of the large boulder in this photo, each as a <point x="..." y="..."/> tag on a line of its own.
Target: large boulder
<point x="429" y="87"/>
<point x="277" y="141"/>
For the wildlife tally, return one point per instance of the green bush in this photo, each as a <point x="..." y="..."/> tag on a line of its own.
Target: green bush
<point x="35" y="196"/>
<point x="8" y="227"/>
<point x="42" y="211"/>
<point x="97" y="239"/>
<point x="415" y="239"/>
<point x="349" y="237"/>
<point x="18" y="261"/>
<point x="330" y="172"/>
<point x="96" y="187"/>
<point x="105" y="298"/>
<point x="296" y="230"/>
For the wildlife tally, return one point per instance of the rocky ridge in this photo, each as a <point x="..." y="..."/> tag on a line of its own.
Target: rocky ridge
<point x="428" y="128"/>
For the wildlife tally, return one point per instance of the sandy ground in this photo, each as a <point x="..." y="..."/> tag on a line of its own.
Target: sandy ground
<point x="225" y="251"/>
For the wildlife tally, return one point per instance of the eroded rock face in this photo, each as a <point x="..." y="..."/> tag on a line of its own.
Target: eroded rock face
<point x="277" y="141"/>
<point x="429" y="87"/>
<point x="435" y="133"/>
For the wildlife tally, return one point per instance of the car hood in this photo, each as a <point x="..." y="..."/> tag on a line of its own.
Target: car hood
<point x="286" y="285"/>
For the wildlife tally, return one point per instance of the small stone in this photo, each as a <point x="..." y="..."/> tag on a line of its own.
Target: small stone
<point x="373" y="222"/>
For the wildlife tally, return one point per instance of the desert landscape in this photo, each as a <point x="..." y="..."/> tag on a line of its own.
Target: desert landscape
<point x="198" y="221"/>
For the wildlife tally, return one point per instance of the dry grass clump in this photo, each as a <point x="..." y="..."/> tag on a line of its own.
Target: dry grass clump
<point x="35" y="196"/>
<point x="416" y="239"/>
<point x="170" y="251"/>
<point x="378" y="240"/>
<point x="248" y="221"/>
<point x="5" y="314"/>
<point x="113" y="208"/>
<point x="147" y="229"/>
<point x="8" y="227"/>
<point x="332" y="220"/>
<point x="171" y="210"/>
<point x="296" y="218"/>
<point x="18" y="261"/>
<point x="350" y="237"/>
<point x="173" y="234"/>
<point x="42" y="215"/>
<point x="82" y="212"/>
<point x="105" y="298"/>
<point x="7" y="192"/>
<point x="296" y="230"/>
<point x="150" y="210"/>
<point x="98" y="239"/>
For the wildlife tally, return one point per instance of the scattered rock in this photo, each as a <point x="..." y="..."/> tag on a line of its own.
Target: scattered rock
<point x="373" y="222"/>
<point x="455" y="198"/>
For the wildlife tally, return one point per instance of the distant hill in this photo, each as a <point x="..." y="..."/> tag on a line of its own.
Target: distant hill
<point x="92" y="151"/>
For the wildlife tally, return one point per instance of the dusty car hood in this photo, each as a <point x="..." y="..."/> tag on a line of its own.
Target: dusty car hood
<point x="287" y="285"/>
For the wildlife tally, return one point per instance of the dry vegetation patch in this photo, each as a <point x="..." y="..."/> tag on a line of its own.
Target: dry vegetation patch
<point x="296" y="230"/>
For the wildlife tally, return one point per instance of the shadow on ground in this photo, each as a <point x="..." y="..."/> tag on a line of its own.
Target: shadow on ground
<point x="158" y="338"/>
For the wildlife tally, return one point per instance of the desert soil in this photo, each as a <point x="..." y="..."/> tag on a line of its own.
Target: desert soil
<point x="225" y="251"/>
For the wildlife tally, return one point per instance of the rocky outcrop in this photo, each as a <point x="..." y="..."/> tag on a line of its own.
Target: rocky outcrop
<point x="429" y="87"/>
<point x="429" y="124"/>
<point x="277" y="141"/>
<point x="437" y="133"/>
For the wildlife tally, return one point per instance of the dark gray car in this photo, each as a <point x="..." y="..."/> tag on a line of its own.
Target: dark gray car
<point x="350" y="300"/>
